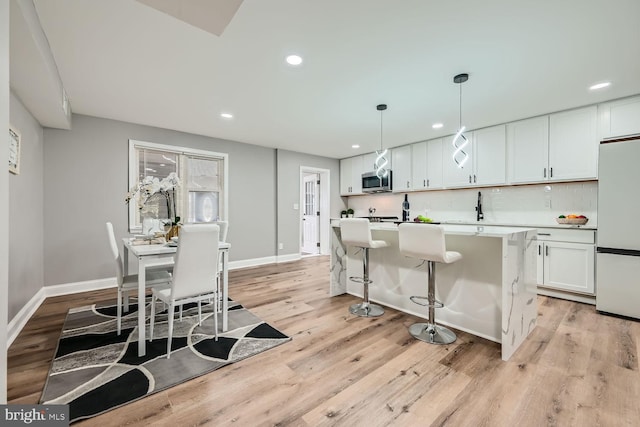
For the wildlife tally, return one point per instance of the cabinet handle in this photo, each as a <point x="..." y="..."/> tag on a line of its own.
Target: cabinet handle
<point x="546" y="250"/>
<point x="427" y="183"/>
<point x="407" y="184"/>
<point x="539" y="249"/>
<point x="424" y="182"/>
<point x="544" y="173"/>
<point x="474" y="178"/>
<point x="544" y="234"/>
<point x="550" y="172"/>
<point x="469" y="179"/>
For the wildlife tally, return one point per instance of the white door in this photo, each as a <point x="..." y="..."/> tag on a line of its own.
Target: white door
<point x="311" y="214"/>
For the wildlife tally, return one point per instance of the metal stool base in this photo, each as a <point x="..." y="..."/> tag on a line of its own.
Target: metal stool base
<point x="432" y="334"/>
<point x="366" y="310"/>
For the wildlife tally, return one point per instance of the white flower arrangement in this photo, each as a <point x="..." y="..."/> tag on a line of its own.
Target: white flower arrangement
<point x="144" y="190"/>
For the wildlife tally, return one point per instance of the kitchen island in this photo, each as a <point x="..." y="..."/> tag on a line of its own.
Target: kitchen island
<point x="490" y="293"/>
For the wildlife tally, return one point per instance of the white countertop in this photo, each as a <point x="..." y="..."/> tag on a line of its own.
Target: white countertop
<point x="457" y="229"/>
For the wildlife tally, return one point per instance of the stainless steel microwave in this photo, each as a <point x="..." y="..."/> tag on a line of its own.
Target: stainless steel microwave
<point x="371" y="183"/>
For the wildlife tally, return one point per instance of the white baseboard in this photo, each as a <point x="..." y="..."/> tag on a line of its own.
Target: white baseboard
<point x="288" y="258"/>
<point x="586" y="299"/>
<point x="19" y="320"/>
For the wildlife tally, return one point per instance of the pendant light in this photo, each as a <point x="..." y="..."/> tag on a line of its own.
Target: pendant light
<point x="460" y="157"/>
<point x="381" y="160"/>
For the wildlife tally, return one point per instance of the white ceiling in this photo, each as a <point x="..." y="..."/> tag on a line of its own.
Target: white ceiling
<point x="123" y="60"/>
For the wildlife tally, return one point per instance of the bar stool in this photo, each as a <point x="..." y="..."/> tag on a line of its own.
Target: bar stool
<point x="426" y="241"/>
<point x="356" y="232"/>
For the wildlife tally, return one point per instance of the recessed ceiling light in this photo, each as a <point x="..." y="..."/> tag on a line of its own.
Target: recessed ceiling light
<point x="226" y="116"/>
<point x="355" y="146"/>
<point x="294" y="60"/>
<point x="437" y="125"/>
<point x="599" y="86"/>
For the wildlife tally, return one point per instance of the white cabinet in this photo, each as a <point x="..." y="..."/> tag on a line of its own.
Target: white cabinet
<point x="487" y="159"/>
<point x="351" y="176"/>
<point x="401" y="178"/>
<point x="573" y="144"/>
<point x="620" y="118"/>
<point x="566" y="260"/>
<point x="528" y="150"/>
<point x="426" y="164"/>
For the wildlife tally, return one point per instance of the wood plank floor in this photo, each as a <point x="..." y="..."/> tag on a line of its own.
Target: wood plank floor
<point x="578" y="368"/>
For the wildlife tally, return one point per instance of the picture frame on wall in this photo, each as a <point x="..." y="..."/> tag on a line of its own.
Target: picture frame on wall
<point x="14" y="150"/>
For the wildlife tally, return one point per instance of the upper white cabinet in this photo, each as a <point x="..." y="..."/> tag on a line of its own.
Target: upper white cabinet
<point x="401" y="159"/>
<point x="573" y="144"/>
<point x="487" y="159"/>
<point x="620" y="118"/>
<point x="351" y="170"/>
<point x="426" y="164"/>
<point x="528" y="150"/>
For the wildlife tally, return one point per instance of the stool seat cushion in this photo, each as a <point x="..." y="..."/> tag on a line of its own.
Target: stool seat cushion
<point x="425" y="241"/>
<point x="356" y="232"/>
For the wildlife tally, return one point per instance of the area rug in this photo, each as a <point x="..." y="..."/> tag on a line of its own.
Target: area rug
<point x="95" y="370"/>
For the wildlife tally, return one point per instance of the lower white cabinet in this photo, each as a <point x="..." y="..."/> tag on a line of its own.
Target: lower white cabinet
<point x="566" y="260"/>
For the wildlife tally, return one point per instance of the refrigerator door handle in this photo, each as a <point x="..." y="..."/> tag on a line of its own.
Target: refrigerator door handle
<point x="617" y="251"/>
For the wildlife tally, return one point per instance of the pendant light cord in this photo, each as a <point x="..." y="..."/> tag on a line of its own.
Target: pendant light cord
<point x="381" y="112"/>
<point x="460" y="110"/>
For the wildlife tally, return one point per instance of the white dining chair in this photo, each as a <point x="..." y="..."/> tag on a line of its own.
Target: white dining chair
<point x="194" y="276"/>
<point x="156" y="276"/>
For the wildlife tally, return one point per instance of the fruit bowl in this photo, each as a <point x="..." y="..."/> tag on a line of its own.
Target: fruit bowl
<point x="573" y="221"/>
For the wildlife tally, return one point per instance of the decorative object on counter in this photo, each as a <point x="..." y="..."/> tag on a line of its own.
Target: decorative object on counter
<point x="356" y="232"/>
<point x="428" y="243"/>
<point x="479" y="213"/>
<point x="343" y="214"/>
<point x="572" y="219"/>
<point x="381" y="161"/>
<point x="460" y="157"/>
<point x="405" y="209"/>
<point x="144" y="191"/>
<point x="350" y="213"/>
<point x="422" y="218"/>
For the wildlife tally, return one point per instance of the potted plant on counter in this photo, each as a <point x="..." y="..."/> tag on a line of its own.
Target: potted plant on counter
<point x="343" y="214"/>
<point x="350" y="213"/>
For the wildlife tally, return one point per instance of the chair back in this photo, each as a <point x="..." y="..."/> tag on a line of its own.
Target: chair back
<point x="422" y="241"/>
<point x="224" y="227"/>
<point x="115" y="253"/>
<point x="196" y="261"/>
<point x="356" y="232"/>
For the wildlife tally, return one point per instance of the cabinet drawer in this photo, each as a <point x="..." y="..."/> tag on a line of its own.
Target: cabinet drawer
<point x="566" y="235"/>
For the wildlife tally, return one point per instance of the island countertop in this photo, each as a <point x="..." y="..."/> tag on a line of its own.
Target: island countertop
<point x="491" y="292"/>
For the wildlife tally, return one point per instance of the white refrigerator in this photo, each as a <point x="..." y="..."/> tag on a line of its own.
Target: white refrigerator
<point x="618" y="248"/>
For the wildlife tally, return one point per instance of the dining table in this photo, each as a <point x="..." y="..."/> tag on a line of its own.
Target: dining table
<point x="150" y="255"/>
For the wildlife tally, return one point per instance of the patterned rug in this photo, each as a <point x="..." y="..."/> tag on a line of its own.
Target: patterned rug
<point x="95" y="370"/>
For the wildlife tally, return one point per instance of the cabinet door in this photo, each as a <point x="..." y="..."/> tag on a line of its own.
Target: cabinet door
<point x="356" y="174"/>
<point x="620" y="118"/>
<point x="453" y="175"/>
<point x="569" y="266"/>
<point x="345" y="177"/>
<point x="419" y="165"/>
<point x="490" y="150"/>
<point x="369" y="162"/>
<point x="401" y="159"/>
<point x="434" y="163"/>
<point x="528" y="150"/>
<point x="573" y="144"/>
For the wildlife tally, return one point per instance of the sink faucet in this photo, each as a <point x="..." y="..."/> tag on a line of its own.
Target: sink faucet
<point x="371" y="212"/>
<point x="479" y="214"/>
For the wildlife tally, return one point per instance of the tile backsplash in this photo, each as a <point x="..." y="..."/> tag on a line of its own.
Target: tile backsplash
<point x="538" y="204"/>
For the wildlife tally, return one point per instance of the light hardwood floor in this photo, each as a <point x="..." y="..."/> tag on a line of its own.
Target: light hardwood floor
<point x="578" y="368"/>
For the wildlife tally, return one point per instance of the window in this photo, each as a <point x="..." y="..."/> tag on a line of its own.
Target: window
<point x="202" y="195"/>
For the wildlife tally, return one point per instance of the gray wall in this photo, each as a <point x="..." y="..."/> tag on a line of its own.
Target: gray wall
<point x="289" y="164"/>
<point x="26" y="209"/>
<point x="4" y="196"/>
<point x="85" y="181"/>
